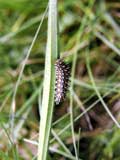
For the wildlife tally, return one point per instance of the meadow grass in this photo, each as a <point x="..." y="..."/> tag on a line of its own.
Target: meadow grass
<point x="86" y="34"/>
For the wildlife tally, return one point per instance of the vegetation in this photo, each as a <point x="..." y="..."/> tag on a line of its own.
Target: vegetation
<point x="86" y="125"/>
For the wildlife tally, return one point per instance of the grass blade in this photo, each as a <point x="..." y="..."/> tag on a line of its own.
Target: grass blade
<point x="98" y="93"/>
<point x="13" y="105"/>
<point x="49" y="81"/>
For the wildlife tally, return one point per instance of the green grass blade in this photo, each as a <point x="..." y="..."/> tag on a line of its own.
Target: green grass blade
<point x="13" y="105"/>
<point x="71" y="107"/>
<point x="61" y="143"/>
<point x="98" y="93"/>
<point x="108" y="43"/>
<point x="49" y="81"/>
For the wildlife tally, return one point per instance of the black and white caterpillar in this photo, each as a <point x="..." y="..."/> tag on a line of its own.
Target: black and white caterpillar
<point x="62" y="72"/>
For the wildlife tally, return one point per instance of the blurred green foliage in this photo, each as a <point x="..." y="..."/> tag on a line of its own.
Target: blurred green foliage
<point x="19" y="20"/>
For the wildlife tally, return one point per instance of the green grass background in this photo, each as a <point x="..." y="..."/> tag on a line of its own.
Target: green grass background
<point x="89" y="37"/>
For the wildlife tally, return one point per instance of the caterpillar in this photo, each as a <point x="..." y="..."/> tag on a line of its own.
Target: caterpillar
<point x="62" y="73"/>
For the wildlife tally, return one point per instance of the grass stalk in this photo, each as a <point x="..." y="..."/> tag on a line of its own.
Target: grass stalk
<point x="49" y="81"/>
<point x="98" y="93"/>
<point x="13" y="104"/>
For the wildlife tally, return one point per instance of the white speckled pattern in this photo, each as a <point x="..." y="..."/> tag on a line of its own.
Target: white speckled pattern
<point x="62" y="71"/>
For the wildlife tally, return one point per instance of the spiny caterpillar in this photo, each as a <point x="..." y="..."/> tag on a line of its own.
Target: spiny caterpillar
<point x="62" y="72"/>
